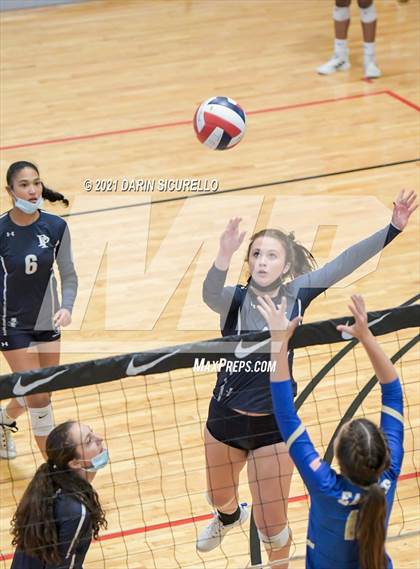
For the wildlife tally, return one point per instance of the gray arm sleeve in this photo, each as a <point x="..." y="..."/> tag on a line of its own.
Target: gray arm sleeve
<point x="347" y="262"/>
<point x="67" y="271"/>
<point x="217" y="296"/>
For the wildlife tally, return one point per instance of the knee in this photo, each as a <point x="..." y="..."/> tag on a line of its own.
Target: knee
<point x="42" y="420"/>
<point x="367" y="11"/>
<point x="38" y="400"/>
<point x="341" y="13"/>
<point x="275" y="542"/>
<point x="342" y="3"/>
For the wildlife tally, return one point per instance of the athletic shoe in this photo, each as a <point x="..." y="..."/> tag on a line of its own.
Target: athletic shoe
<point x="334" y="64"/>
<point x="212" y="535"/>
<point x="7" y="444"/>
<point x="372" y="71"/>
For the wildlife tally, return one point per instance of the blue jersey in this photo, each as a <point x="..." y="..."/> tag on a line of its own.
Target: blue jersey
<point x="74" y="532"/>
<point x="237" y="306"/>
<point x="334" y="499"/>
<point x="28" y="287"/>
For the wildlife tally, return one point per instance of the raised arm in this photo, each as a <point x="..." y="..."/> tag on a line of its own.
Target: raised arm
<point x="316" y="474"/>
<point x="349" y="260"/>
<point x="392" y="419"/>
<point x="215" y="294"/>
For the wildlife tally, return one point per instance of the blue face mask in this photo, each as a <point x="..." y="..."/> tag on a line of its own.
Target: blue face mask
<point x="98" y="461"/>
<point x="28" y="207"/>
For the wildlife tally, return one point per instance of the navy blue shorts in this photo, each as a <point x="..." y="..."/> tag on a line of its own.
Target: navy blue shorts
<point x="18" y="339"/>
<point x="237" y="430"/>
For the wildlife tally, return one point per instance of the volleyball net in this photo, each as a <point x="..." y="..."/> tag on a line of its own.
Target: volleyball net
<point x="151" y="408"/>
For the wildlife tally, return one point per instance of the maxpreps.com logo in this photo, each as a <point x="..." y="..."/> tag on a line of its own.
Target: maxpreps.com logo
<point x="236" y="366"/>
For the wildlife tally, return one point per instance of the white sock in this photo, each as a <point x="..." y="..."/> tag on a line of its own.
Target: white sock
<point x="369" y="51"/>
<point x="341" y="49"/>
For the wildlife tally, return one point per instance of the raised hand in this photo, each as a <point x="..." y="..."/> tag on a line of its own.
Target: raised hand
<point x="360" y="327"/>
<point x="231" y="238"/>
<point x="275" y="316"/>
<point x="404" y="206"/>
<point x="230" y="241"/>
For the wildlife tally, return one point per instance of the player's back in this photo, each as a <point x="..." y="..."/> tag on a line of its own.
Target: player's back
<point x="333" y="516"/>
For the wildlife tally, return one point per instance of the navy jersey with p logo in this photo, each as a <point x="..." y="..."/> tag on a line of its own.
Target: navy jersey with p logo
<point x="28" y="287"/>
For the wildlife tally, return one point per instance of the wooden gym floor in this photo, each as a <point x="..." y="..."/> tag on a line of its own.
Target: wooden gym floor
<point x="106" y="90"/>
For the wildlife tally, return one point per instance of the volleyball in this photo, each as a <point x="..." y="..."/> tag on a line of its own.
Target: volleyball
<point x="219" y="123"/>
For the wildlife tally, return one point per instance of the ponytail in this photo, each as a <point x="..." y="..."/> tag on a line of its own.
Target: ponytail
<point x="363" y="455"/>
<point x="370" y="531"/>
<point x="302" y="261"/>
<point x="53" y="196"/>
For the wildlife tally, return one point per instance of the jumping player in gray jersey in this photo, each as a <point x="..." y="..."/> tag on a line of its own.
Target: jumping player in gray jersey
<point x="241" y="428"/>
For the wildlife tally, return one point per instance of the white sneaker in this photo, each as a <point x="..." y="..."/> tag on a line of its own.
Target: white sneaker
<point x="334" y="64"/>
<point x="372" y="71"/>
<point x="7" y="444"/>
<point x="212" y="535"/>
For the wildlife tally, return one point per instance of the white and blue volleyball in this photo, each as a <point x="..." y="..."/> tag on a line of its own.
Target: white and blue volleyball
<point x="219" y="123"/>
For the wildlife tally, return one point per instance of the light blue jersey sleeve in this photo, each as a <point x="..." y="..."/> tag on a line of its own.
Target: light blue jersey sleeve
<point x="317" y="474"/>
<point x="392" y="423"/>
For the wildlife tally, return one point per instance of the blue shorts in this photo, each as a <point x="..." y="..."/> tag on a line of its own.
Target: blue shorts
<point x="18" y="339"/>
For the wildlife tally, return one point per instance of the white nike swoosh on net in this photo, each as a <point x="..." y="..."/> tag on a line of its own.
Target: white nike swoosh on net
<point x="136" y="370"/>
<point x="347" y="336"/>
<point x="20" y="389"/>
<point x="241" y="352"/>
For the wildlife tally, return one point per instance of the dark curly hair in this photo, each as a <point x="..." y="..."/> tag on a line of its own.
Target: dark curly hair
<point x="33" y="525"/>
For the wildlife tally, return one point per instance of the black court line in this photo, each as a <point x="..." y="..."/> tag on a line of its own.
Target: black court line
<point x="361" y="396"/>
<point x="300" y="400"/>
<point x="244" y="188"/>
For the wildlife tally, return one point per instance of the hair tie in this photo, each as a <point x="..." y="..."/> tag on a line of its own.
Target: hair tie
<point x="52" y="466"/>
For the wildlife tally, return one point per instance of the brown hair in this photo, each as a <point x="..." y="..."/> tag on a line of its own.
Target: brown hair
<point x="299" y="257"/>
<point x="47" y="193"/>
<point x="363" y="455"/>
<point x="33" y="525"/>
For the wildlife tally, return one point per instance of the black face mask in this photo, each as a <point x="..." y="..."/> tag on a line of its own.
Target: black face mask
<point x="272" y="286"/>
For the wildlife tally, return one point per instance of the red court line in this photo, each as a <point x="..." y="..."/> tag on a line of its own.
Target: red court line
<point x="191" y="520"/>
<point x="185" y="122"/>
<point x="402" y="100"/>
<point x="319" y="102"/>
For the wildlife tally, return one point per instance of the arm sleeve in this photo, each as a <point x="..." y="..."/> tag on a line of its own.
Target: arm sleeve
<point x="216" y="295"/>
<point x="74" y="534"/>
<point x="392" y="422"/>
<point x="67" y="271"/>
<point x="317" y="474"/>
<point x="318" y="281"/>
